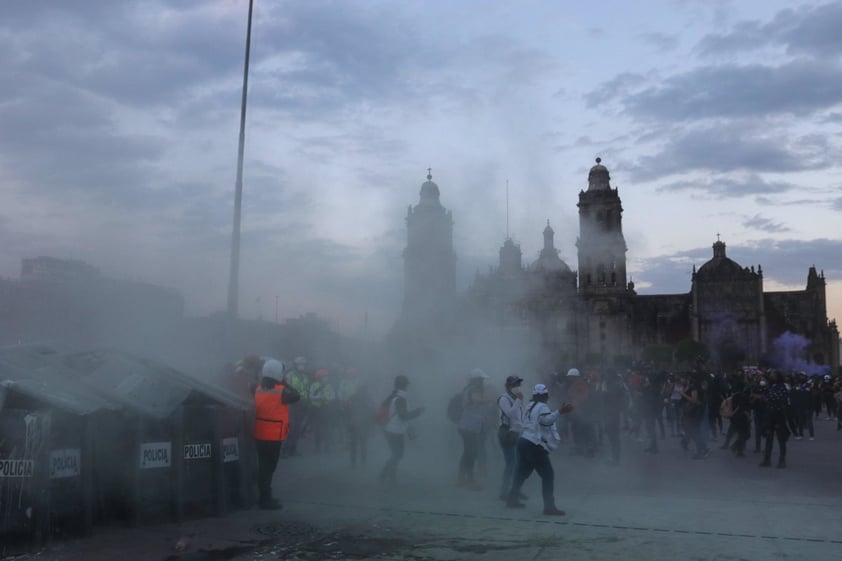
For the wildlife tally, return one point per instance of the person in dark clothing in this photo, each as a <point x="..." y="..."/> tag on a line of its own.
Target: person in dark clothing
<point x="651" y="406"/>
<point x="827" y="398"/>
<point x="758" y="411"/>
<point x="777" y="402"/>
<point x="716" y="394"/>
<point x="614" y="399"/>
<point x="802" y="410"/>
<point x="694" y="415"/>
<point x="740" y="421"/>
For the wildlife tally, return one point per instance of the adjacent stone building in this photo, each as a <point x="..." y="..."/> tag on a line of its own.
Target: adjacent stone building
<point x="596" y="316"/>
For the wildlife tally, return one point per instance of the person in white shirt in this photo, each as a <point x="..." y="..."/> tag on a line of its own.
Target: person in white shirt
<point x="396" y="427"/>
<point x="533" y="449"/>
<point x="510" y="407"/>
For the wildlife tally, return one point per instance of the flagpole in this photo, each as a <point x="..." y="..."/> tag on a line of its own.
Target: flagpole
<point x="234" y="278"/>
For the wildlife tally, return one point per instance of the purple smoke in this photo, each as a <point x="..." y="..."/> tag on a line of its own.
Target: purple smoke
<point x="789" y="352"/>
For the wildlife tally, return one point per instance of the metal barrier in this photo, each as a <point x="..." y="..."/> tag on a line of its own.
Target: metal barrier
<point x="98" y="437"/>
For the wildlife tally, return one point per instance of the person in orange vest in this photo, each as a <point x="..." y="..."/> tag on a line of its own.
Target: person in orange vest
<point x="271" y="426"/>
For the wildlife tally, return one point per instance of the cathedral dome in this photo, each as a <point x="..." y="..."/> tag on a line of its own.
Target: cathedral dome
<point x="429" y="190"/>
<point x="720" y="267"/>
<point x="598" y="177"/>
<point x="550" y="262"/>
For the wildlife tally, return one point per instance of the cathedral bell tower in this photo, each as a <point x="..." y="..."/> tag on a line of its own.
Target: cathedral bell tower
<point x="602" y="247"/>
<point x="429" y="261"/>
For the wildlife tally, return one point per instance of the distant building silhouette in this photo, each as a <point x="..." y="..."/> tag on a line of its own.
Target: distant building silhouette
<point x="596" y="316"/>
<point x="71" y="302"/>
<point x="429" y="261"/>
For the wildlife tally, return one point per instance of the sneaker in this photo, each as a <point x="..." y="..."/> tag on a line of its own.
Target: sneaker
<point x="765" y="464"/>
<point x="553" y="512"/>
<point x="811" y="438"/>
<point x="516" y="504"/>
<point x="798" y="437"/>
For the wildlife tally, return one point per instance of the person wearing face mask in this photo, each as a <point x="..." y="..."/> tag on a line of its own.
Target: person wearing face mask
<point x="510" y="407"/>
<point x="758" y="411"/>
<point x="533" y="449"/>
<point x="777" y="403"/>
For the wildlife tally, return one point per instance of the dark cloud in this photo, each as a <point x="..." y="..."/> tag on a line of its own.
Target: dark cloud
<point x="617" y="87"/>
<point x="800" y="87"/>
<point x="810" y="30"/>
<point x="764" y="224"/>
<point x="729" y="147"/>
<point x="809" y="82"/>
<point x="728" y="187"/>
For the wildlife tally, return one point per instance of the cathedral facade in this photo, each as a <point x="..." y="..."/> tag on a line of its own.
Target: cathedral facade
<point x="595" y="316"/>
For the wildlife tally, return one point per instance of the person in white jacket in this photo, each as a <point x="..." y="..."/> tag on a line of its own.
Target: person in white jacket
<point x="510" y="406"/>
<point x="533" y="449"/>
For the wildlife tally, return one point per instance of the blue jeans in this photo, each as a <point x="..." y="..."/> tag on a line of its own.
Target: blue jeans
<point x="396" y="445"/>
<point x="510" y="457"/>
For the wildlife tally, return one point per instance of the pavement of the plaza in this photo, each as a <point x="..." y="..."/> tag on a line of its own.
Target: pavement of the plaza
<point x="650" y="507"/>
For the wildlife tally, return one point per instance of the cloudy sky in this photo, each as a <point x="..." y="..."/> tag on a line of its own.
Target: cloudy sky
<point x="119" y="123"/>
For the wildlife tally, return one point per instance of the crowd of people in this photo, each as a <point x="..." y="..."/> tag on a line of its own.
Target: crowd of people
<point x="589" y="410"/>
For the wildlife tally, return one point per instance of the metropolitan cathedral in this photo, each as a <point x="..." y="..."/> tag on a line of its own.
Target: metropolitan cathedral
<point x="594" y="315"/>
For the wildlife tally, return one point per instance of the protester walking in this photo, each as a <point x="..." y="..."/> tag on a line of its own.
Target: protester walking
<point x="533" y="449"/>
<point x="397" y="425"/>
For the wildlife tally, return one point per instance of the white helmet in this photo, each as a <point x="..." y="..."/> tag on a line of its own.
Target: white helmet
<point x="478" y="374"/>
<point x="273" y="369"/>
<point x="573" y="372"/>
<point x="827" y="377"/>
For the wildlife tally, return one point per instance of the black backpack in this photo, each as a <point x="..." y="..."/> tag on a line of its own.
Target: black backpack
<point x="455" y="407"/>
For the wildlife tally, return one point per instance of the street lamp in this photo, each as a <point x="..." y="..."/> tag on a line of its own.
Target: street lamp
<point x="234" y="278"/>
